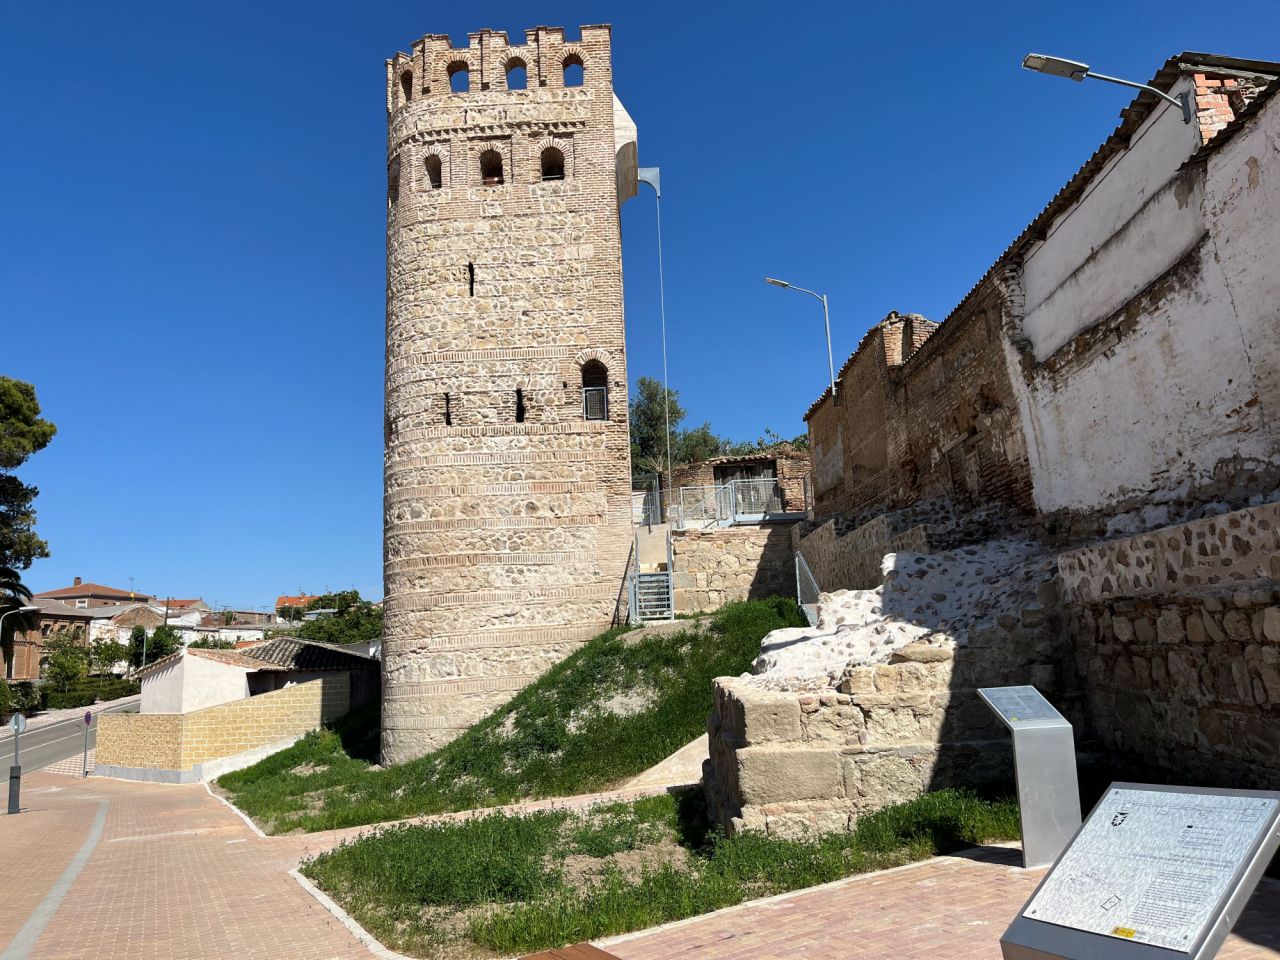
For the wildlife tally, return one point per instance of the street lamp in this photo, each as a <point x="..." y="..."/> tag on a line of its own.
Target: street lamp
<point x="28" y="609"/>
<point x="826" y="320"/>
<point x="1058" y="67"/>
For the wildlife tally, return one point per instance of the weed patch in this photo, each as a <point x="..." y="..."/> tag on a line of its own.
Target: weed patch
<point x="622" y="703"/>
<point x="503" y="884"/>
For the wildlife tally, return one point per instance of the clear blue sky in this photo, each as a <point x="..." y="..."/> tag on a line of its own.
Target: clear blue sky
<point x="191" y="259"/>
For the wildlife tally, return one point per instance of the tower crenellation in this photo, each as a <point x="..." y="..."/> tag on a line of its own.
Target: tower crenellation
<point x="507" y="475"/>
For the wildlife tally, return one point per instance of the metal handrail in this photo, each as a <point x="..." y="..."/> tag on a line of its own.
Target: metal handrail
<point x="807" y="590"/>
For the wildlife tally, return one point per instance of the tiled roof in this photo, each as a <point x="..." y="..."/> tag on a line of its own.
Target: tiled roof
<point x="278" y="655"/>
<point x="298" y="601"/>
<point x="289" y="653"/>
<point x="56" y="608"/>
<point x="94" y="590"/>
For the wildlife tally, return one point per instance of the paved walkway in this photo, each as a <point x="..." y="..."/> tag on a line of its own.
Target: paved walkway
<point x="174" y="874"/>
<point x="949" y="908"/>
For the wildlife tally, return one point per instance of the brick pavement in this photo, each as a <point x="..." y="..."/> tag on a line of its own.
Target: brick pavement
<point x="949" y="908"/>
<point x="178" y="876"/>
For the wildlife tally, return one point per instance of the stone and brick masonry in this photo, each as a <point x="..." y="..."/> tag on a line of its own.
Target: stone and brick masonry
<point x="507" y="510"/>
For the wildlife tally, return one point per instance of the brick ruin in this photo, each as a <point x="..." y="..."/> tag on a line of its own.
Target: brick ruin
<point x="1102" y="405"/>
<point x="507" y="477"/>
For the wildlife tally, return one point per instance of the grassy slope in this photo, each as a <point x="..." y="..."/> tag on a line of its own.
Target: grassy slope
<point x="555" y="738"/>
<point x="503" y="884"/>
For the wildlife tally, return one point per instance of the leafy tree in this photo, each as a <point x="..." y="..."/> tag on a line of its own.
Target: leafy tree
<point x="105" y="654"/>
<point x="355" y="620"/>
<point x="290" y="613"/>
<point x="162" y="642"/>
<point x="22" y="433"/>
<point x="649" y="425"/>
<point x="211" y="643"/>
<point x="65" y="658"/>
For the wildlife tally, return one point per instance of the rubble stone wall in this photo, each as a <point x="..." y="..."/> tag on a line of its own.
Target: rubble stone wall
<point x="714" y="567"/>
<point x="790" y="763"/>
<point x="507" y="511"/>
<point x="1177" y="636"/>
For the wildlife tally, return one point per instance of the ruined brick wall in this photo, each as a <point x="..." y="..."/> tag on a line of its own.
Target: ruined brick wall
<point x="506" y="537"/>
<point x="714" y="567"/>
<point x="954" y="429"/>
<point x="1177" y="637"/>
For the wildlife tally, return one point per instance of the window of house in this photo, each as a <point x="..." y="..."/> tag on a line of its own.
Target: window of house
<point x="517" y="74"/>
<point x="459" y="77"/>
<point x="406" y="85"/>
<point x="435" y="171"/>
<point x="519" y="405"/>
<point x="448" y="411"/>
<point x="573" y="71"/>
<point x="491" y="168"/>
<point x="552" y="164"/>
<point x="595" y="391"/>
<point x="81" y="604"/>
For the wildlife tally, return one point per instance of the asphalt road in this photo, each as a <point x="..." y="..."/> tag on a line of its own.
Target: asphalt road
<point x="46" y="745"/>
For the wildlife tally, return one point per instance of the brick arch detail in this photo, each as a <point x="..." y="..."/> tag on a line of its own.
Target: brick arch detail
<point x="594" y="353"/>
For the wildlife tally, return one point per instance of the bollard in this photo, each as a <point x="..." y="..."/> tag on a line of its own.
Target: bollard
<point x="15" y="788"/>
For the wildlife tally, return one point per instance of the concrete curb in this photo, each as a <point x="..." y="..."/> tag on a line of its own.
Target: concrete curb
<point x="237" y="811"/>
<point x="360" y="933"/>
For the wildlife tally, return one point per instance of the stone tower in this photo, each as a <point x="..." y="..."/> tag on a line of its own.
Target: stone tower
<point x="507" y="476"/>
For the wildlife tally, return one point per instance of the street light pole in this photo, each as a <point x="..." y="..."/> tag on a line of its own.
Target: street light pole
<point x="1079" y="72"/>
<point x="826" y="322"/>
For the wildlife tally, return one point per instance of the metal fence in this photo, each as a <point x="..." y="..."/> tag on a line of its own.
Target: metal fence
<point x="738" y="501"/>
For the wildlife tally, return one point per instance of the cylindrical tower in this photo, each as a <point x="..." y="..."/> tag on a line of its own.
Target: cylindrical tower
<point x="507" y="477"/>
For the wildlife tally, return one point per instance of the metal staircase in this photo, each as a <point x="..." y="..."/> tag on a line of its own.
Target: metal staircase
<point x="652" y="591"/>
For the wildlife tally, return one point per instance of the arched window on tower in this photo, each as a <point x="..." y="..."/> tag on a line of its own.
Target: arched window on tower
<point x="552" y="164"/>
<point x="595" y="391"/>
<point x="517" y="74"/>
<point x="435" y="171"/>
<point x="459" y="76"/>
<point x="393" y="182"/>
<point x="574" y="71"/>
<point x="406" y="85"/>
<point x="491" y="168"/>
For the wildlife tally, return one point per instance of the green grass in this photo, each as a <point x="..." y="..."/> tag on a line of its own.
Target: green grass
<point x="514" y="884"/>
<point x="622" y="703"/>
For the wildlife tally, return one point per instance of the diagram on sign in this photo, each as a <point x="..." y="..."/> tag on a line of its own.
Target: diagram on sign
<point x="1152" y="867"/>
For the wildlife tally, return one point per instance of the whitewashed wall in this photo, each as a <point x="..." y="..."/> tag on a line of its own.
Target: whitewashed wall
<point x="1152" y="412"/>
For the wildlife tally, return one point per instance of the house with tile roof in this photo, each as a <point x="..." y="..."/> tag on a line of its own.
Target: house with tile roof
<point x="81" y="595"/>
<point x="194" y="678"/>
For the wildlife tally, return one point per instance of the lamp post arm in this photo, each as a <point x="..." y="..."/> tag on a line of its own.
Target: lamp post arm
<point x="1182" y="101"/>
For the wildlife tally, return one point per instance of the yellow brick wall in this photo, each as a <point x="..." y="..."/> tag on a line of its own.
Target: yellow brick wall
<point x="180" y="741"/>
<point x="140" y="740"/>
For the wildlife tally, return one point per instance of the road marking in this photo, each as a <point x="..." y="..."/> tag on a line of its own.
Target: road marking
<point x="20" y="947"/>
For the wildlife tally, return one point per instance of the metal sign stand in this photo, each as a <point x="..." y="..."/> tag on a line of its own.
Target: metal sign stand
<point x="1155" y="873"/>
<point x="17" y="723"/>
<point x="1044" y="759"/>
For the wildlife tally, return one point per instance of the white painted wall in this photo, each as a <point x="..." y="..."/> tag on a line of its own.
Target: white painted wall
<point x="1082" y="272"/>
<point x="207" y="683"/>
<point x="1196" y="381"/>
<point x="192" y="683"/>
<point x="162" y="689"/>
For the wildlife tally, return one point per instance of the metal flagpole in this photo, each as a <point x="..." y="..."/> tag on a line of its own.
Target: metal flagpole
<point x="653" y="177"/>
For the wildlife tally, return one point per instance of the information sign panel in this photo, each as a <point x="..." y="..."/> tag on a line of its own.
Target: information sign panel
<point x="1020" y="705"/>
<point x="1044" y="758"/>
<point x="1154" y="872"/>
